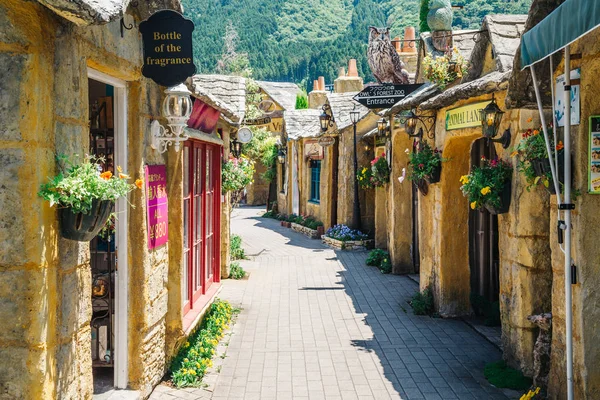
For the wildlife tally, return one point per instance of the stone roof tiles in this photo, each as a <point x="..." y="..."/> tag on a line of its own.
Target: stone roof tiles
<point x="283" y="93"/>
<point x="302" y="123"/>
<point x="341" y="105"/>
<point x="225" y="93"/>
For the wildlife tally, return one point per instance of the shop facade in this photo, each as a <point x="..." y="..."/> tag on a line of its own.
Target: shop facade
<point x="73" y="86"/>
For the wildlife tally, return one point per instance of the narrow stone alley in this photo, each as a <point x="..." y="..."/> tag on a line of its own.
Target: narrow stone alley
<point x="319" y="324"/>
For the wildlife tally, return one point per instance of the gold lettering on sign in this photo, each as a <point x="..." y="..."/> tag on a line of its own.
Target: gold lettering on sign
<point x="167" y="48"/>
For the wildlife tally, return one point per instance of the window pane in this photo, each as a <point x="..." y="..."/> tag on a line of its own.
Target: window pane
<point x="209" y="182"/>
<point x="209" y="257"/>
<point x="186" y="169"/>
<point x="198" y="171"/>
<point x="197" y="267"/>
<point x="198" y="206"/>
<point x="184" y="286"/>
<point x="186" y="224"/>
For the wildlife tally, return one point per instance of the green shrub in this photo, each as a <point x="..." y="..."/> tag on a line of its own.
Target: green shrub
<point x="422" y="302"/>
<point x="236" y="271"/>
<point x="375" y="257"/>
<point x="270" y="214"/>
<point x="237" y="252"/>
<point x="386" y="265"/>
<point x="194" y="358"/>
<point x="312" y="223"/>
<point x="502" y="376"/>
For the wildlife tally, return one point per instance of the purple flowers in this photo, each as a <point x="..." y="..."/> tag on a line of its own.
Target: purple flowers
<point x="344" y="233"/>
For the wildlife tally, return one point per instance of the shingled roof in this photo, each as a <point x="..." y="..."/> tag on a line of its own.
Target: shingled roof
<point x="282" y="93"/>
<point x="302" y="123"/>
<point x="504" y="34"/>
<point x="225" y="93"/>
<point x="341" y="105"/>
<point x="88" y="12"/>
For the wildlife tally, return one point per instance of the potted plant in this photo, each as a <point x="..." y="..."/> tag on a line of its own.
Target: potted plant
<point x="85" y="196"/>
<point x="446" y="69"/>
<point x="425" y="163"/>
<point x="376" y="176"/>
<point x="533" y="161"/>
<point x="488" y="186"/>
<point x="364" y="176"/>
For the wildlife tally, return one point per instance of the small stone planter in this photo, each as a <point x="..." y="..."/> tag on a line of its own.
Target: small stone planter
<point x="348" y="245"/>
<point x="286" y="224"/>
<point x="306" y="231"/>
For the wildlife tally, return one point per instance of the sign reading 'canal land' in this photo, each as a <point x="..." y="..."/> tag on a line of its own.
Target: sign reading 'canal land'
<point x="158" y="205"/>
<point x="384" y="96"/>
<point x="465" y="117"/>
<point x="168" y="57"/>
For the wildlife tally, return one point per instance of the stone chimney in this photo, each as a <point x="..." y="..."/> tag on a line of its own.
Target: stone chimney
<point x="318" y="96"/>
<point x="407" y="50"/>
<point x="350" y="82"/>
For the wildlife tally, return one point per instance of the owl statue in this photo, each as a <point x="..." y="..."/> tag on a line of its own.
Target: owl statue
<point x="440" y="15"/>
<point x="383" y="58"/>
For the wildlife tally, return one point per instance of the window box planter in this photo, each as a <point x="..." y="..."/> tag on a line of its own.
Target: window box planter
<point x="504" y="201"/>
<point x="84" y="227"/>
<point x="358" y="245"/>
<point x="306" y="231"/>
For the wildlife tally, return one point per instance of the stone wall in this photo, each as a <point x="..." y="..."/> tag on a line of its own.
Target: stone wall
<point x="257" y="193"/>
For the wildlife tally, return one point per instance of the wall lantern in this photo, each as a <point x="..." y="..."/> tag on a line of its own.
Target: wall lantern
<point x="382" y="127"/>
<point x="412" y="119"/>
<point x="491" y="116"/>
<point x="281" y="155"/>
<point x="326" y="118"/>
<point x="354" y="115"/>
<point x="235" y="148"/>
<point x="176" y="108"/>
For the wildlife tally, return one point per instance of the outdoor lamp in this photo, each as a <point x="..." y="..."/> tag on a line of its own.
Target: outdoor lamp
<point x="326" y="119"/>
<point x="281" y="156"/>
<point x="354" y="115"/>
<point x="491" y="116"/>
<point x="412" y="119"/>
<point x="411" y="123"/>
<point x="235" y="148"/>
<point x="176" y="108"/>
<point x="382" y="127"/>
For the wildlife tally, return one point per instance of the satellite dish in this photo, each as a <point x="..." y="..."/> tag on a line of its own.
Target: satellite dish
<point x="267" y="107"/>
<point x="244" y="135"/>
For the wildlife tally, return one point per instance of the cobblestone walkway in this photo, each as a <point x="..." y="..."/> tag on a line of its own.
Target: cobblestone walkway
<point x="319" y="324"/>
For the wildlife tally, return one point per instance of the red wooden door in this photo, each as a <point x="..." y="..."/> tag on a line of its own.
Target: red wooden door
<point x="201" y="214"/>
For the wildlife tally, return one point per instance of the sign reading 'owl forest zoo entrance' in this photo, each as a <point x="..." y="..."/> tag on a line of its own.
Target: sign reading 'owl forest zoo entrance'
<point x="168" y="57"/>
<point x="384" y="96"/>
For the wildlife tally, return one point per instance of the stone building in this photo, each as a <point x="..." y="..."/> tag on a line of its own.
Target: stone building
<point x="64" y="64"/>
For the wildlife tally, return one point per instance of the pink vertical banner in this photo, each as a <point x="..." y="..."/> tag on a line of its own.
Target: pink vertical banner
<point x="157" y="206"/>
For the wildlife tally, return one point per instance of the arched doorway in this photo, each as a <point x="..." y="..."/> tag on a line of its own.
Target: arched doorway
<point x="484" y="258"/>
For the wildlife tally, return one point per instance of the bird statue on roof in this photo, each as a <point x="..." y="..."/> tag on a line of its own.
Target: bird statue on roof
<point x="386" y="65"/>
<point x="440" y="15"/>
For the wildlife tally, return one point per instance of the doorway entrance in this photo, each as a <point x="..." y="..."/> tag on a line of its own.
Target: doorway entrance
<point x="107" y="99"/>
<point x="484" y="258"/>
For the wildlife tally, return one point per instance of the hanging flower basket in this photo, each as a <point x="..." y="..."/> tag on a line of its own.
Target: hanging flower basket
<point x="425" y="163"/>
<point x="422" y="185"/>
<point x="84" y="227"/>
<point x="435" y="176"/>
<point x="504" y="205"/>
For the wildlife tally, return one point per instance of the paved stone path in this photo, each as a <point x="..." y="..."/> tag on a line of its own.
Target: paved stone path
<point x="319" y="324"/>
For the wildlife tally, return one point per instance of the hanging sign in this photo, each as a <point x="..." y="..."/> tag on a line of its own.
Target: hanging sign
<point x="384" y="96"/>
<point x="168" y="56"/>
<point x="468" y="116"/>
<point x="326" y="141"/>
<point x="594" y="158"/>
<point x="559" y="99"/>
<point x="258" y="121"/>
<point x="312" y="150"/>
<point x="157" y="207"/>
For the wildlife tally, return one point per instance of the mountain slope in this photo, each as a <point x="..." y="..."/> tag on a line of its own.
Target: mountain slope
<point x="295" y="40"/>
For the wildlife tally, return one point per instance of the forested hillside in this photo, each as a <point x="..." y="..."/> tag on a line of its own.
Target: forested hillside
<point x="295" y="40"/>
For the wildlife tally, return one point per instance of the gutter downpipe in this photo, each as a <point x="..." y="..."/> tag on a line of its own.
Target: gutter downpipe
<point x="567" y="212"/>
<point x="568" y="299"/>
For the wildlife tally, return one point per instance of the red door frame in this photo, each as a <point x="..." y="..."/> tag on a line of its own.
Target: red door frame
<point x="196" y="174"/>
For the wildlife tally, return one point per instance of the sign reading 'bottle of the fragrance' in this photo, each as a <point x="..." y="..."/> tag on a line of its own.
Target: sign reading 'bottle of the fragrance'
<point x="168" y="56"/>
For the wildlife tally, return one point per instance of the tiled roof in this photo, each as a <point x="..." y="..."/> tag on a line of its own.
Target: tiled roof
<point x="302" y="123"/>
<point x="223" y="92"/>
<point x="341" y="105"/>
<point x="283" y="93"/>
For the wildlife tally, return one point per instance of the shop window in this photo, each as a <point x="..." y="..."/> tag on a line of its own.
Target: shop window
<point x="201" y="221"/>
<point x="315" y="181"/>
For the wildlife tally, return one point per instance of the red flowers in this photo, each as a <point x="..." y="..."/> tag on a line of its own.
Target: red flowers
<point x="421" y="165"/>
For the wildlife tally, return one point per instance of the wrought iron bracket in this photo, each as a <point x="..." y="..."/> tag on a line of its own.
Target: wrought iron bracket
<point x="504" y="140"/>
<point x="427" y="120"/>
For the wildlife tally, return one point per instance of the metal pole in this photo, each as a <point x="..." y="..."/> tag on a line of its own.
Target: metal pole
<point x="568" y="299"/>
<point x="356" y="212"/>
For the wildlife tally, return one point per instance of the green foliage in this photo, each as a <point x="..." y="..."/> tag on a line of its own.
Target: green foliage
<point x="423" y="11"/>
<point x="502" y="376"/>
<point x="237" y="252"/>
<point x="376" y="176"/>
<point x="263" y="148"/>
<point x="236" y="271"/>
<point x="375" y="257"/>
<point x="301" y="101"/>
<point x="532" y="149"/>
<point x="292" y="40"/>
<point x="445" y="69"/>
<point x="271" y="214"/>
<point x="484" y="185"/>
<point x="77" y="185"/>
<point x="237" y="174"/>
<point x="386" y="265"/>
<point x="194" y="358"/>
<point x="422" y="302"/>
<point x="422" y="163"/>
